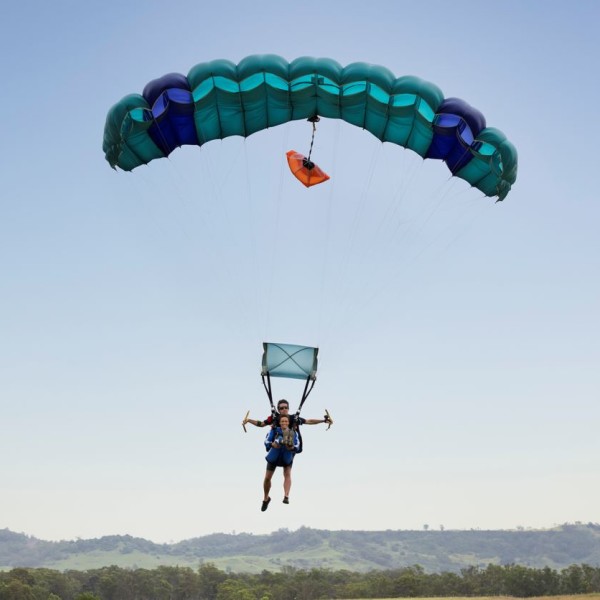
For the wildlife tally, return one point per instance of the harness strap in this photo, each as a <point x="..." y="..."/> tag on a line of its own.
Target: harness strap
<point x="267" y="385"/>
<point x="307" y="390"/>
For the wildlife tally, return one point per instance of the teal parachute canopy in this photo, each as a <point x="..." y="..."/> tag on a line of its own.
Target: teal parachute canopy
<point x="289" y="360"/>
<point x="219" y="99"/>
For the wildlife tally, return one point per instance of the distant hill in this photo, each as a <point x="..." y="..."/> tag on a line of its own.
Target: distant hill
<point x="435" y="551"/>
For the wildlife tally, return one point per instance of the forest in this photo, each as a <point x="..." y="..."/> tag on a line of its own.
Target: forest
<point x="207" y="582"/>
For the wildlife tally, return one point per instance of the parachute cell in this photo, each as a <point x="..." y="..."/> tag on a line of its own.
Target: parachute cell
<point x="219" y="99"/>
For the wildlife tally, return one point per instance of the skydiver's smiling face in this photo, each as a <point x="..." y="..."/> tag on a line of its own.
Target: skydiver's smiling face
<point x="284" y="422"/>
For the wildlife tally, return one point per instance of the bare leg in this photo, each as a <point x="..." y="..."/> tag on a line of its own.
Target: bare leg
<point x="267" y="484"/>
<point x="287" y="480"/>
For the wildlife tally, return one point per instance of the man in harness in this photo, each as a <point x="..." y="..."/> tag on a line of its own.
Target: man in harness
<point x="283" y="408"/>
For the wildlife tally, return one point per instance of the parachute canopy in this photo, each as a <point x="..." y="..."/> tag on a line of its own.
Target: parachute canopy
<point x="288" y="360"/>
<point x="219" y="99"/>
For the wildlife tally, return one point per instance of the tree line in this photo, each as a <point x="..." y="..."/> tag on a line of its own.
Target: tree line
<point x="210" y="583"/>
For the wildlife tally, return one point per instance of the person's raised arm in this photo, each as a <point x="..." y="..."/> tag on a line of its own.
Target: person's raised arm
<point x="255" y="422"/>
<point x="316" y="421"/>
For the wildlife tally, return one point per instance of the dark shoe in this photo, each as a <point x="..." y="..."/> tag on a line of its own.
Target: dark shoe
<point x="286" y="500"/>
<point x="265" y="504"/>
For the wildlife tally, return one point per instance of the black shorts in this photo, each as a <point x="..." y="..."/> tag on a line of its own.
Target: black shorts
<point x="272" y="466"/>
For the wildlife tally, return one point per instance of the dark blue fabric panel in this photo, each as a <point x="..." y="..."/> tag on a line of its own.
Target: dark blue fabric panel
<point x="173" y="110"/>
<point x="455" y="106"/>
<point x="157" y="86"/>
<point x="442" y="142"/>
<point x="173" y="123"/>
<point x="458" y="156"/>
<point x="455" y="127"/>
<point x="448" y="144"/>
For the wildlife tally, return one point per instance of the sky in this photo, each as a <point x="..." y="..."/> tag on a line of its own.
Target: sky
<point x="458" y="338"/>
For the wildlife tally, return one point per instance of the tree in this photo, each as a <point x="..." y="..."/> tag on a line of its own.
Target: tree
<point x="233" y="589"/>
<point x="16" y="590"/>
<point x="209" y="580"/>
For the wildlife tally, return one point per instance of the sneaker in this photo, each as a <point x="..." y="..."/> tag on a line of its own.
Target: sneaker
<point x="265" y="504"/>
<point x="286" y="500"/>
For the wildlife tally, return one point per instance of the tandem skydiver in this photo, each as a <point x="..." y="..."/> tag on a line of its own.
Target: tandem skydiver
<point x="285" y="455"/>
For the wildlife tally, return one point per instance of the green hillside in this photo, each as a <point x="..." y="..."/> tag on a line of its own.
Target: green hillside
<point x="307" y="548"/>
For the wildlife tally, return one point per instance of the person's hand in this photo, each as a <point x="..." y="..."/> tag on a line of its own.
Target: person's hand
<point x="275" y="445"/>
<point x="246" y="419"/>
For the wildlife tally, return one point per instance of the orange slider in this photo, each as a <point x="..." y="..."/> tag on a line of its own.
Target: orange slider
<point x="304" y="170"/>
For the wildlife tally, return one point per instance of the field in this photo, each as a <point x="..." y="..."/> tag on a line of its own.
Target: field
<point x="564" y="597"/>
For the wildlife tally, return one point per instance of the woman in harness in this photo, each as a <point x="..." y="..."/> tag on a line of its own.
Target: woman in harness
<point x="281" y="443"/>
<point x="283" y="409"/>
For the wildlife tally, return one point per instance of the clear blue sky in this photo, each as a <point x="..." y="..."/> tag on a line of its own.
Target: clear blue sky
<point x="459" y="339"/>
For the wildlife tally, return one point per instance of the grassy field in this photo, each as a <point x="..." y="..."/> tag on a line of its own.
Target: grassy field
<point x="565" y="597"/>
<point x="240" y="563"/>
